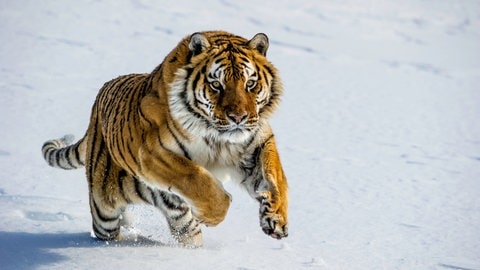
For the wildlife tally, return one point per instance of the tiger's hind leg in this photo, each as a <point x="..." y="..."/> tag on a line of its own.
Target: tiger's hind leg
<point x="107" y="203"/>
<point x="184" y="227"/>
<point x="106" y="221"/>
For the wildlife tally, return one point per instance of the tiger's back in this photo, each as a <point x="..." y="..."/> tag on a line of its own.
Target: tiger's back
<point x="115" y="120"/>
<point x="165" y="138"/>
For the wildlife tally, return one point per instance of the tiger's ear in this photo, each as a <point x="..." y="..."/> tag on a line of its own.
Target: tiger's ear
<point x="260" y="43"/>
<point x="198" y="43"/>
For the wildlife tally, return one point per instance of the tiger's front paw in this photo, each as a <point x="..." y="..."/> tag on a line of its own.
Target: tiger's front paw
<point x="213" y="209"/>
<point x="274" y="225"/>
<point x="273" y="217"/>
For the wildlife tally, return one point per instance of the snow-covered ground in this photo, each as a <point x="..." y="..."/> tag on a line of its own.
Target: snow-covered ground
<point x="379" y="132"/>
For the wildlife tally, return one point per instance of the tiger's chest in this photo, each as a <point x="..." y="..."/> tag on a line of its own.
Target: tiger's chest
<point x="221" y="159"/>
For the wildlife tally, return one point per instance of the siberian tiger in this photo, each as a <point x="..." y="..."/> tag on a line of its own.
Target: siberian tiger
<point x="170" y="137"/>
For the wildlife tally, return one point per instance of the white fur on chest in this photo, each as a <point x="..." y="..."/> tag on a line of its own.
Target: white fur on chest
<point x="220" y="160"/>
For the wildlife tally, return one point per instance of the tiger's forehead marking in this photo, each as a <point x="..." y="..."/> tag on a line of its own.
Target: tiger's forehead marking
<point x="249" y="69"/>
<point x="216" y="71"/>
<point x="219" y="69"/>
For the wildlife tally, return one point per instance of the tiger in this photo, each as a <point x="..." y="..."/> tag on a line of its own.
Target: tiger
<point x="170" y="138"/>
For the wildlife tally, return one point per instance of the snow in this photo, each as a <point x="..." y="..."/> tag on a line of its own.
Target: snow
<point x="378" y="132"/>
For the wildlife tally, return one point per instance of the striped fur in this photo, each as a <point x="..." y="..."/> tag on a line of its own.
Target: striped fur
<point x="168" y="138"/>
<point x="67" y="158"/>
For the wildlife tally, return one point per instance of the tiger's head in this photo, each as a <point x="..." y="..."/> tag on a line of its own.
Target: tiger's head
<point x="228" y="89"/>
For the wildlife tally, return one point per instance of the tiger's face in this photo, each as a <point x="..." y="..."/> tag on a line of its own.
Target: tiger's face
<point x="228" y="89"/>
<point x="231" y="95"/>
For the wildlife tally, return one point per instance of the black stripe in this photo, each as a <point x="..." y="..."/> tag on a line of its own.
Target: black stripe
<point x="256" y="184"/>
<point x="177" y="128"/>
<point x="107" y="234"/>
<point x="270" y="71"/>
<point x="197" y="232"/>
<point x="77" y="153"/>
<point x="106" y="175"/>
<point x="264" y="74"/>
<point x="132" y="156"/>
<point x="251" y="140"/>
<point x="90" y="159"/>
<point x="180" y="144"/>
<point x="116" y="92"/>
<point x="224" y="38"/>
<point x="189" y="71"/>
<point x="197" y="102"/>
<point x="189" y="56"/>
<point x="146" y="85"/>
<point x="244" y="59"/>
<point x="58" y="157"/>
<point x="142" y="115"/>
<point x="203" y="94"/>
<point x="159" y="157"/>
<point x="100" y="235"/>
<point x="46" y="148"/>
<point x="167" y="202"/>
<point x="132" y="120"/>
<point x="139" y="189"/>
<point x="48" y="144"/>
<point x="266" y="140"/>
<point x="145" y="193"/>
<point x="93" y="162"/>
<point x="101" y="215"/>
<point x="221" y="97"/>
<point x="120" y="178"/>
<point x="119" y="142"/>
<point x="119" y="94"/>
<point x="158" y="69"/>
<point x="180" y="216"/>
<point x="153" y="195"/>
<point x="122" y="150"/>
<point x="108" y="93"/>
<point x="156" y="197"/>
<point x="173" y="59"/>
<point x="218" y="60"/>
<point x="195" y="81"/>
<point x="67" y="156"/>
<point x="47" y="155"/>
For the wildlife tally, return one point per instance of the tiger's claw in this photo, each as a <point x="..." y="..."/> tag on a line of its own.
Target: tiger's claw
<point x="274" y="226"/>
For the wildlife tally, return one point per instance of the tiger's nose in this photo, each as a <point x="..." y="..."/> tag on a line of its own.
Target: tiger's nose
<point x="237" y="118"/>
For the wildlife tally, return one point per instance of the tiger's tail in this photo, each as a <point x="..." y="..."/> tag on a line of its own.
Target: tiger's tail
<point x="61" y="153"/>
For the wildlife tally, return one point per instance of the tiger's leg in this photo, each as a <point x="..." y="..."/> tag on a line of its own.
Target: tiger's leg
<point x="184" y="227"/>
<point x="106" y="221"/>
<point x="107" y="204"/>
<point x="268" y="185"/>
<point x="166" y="170"/>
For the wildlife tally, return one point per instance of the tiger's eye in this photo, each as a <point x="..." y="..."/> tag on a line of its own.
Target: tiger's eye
<point x="250" y="84"/>
<point x="216" y="85"/>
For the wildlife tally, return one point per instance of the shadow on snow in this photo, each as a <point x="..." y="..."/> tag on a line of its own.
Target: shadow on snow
<point x="23" y="250"/>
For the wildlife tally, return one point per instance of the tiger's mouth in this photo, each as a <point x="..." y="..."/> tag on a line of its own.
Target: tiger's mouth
<point x="235" y="134"/>
<point x="228" y="127"/>
<point x="231" y="128"/>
